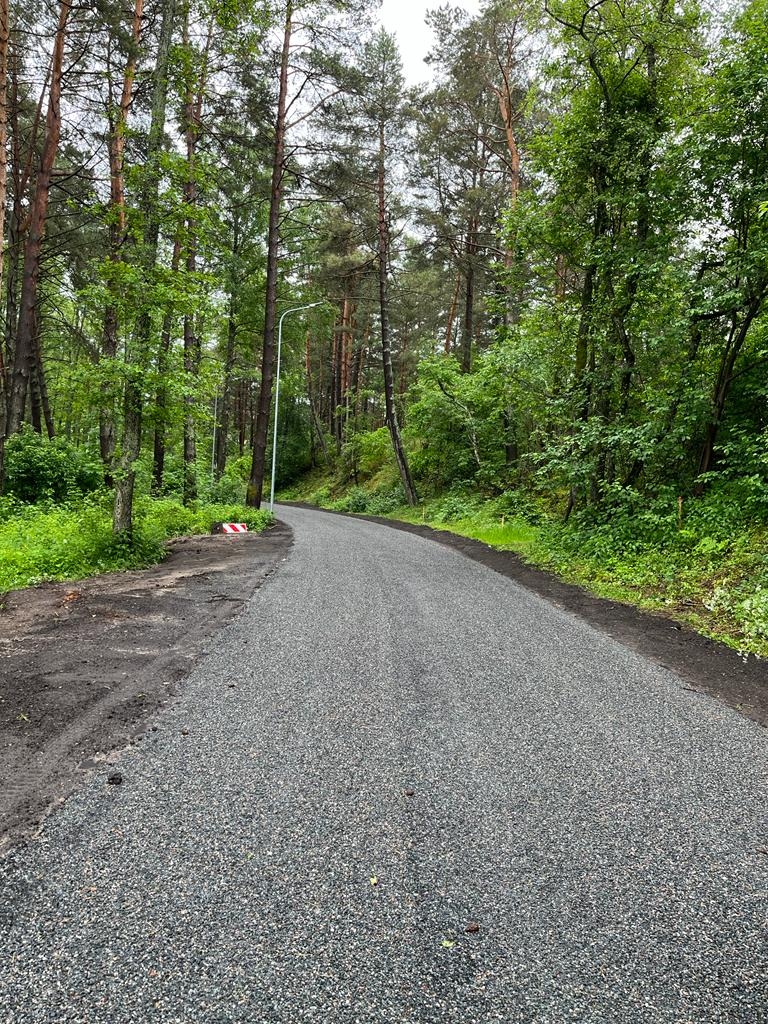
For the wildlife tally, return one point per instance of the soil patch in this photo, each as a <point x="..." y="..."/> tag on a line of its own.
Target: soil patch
<point x="707" y="666"/>
<point x="85" y="666"/>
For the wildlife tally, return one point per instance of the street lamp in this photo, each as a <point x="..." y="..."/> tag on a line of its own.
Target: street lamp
<point x="293" y="309"/>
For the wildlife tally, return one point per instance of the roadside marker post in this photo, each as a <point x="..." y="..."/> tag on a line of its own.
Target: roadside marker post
<point x="229" y="528"/>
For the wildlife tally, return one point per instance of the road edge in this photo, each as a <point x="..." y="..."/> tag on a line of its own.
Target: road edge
<point x="707" y="666"/>
<point x="22" y="821"/>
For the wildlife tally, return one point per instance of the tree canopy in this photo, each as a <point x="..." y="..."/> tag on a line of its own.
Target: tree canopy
<point x="544" y="271"/>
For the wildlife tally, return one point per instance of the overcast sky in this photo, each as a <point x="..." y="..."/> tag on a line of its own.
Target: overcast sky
<point x="405" y="18"/>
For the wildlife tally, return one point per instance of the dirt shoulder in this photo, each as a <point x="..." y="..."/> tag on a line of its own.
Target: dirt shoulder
<point x="85" y="666"/>
<point x="705" y="665"/>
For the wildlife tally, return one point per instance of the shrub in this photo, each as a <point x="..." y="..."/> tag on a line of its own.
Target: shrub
<point x="321" y="496"/>
<point x="228" y="490"/>
<point x="159" y="519"/>
<point x="456" y="505"/>
<point x="355" y="500"/>
<point x="374" y="451"/>
<point x="381" y="503"/>
<point x="37" y="469"/>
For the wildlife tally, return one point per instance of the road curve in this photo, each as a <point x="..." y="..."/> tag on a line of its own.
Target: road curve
<point x="429" y="796"/>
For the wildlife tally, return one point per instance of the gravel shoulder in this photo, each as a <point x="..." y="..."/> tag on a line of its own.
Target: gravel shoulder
<point x="84" y="666"/>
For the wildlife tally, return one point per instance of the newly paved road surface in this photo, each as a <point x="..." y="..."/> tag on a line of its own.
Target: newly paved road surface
<point x="604" y="827"/>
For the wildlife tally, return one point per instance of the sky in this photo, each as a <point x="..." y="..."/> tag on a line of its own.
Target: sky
<point x="405" y="18"/>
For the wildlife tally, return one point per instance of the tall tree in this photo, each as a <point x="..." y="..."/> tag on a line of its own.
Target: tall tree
<point x="313" y="66"/>
<point x="382" y="106"/>
<point x="147" y="246"/>
<point x="24" y="356"/>
<point x="4" y="37"/>
<point x="258" y="465"/>
<point x="732" y="157"/>
<point x="118" y="110"/>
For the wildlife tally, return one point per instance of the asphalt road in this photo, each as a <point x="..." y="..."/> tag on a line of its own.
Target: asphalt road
<point x="390" y="745"/>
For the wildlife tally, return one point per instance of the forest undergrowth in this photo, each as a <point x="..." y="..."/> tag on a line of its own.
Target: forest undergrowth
<point x="56" y="517"/>
<point x="703" y="562"/>
<point x="48" y="541"/>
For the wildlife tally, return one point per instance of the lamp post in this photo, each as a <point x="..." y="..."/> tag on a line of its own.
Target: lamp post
<point x="293" y="309"/>
<point x="213" y="442"/>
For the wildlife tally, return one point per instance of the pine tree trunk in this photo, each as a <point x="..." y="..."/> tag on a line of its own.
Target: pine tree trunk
<point x="3" y="197"/>
<point x="15" y="226"/>
<point x="3" y="127"/>
<point x="191" y="372"/>
<point x="386" y="351"/>
<point x="452" y="315"/>
<point x="222" y="426"/>
<point x="225" y="406"/>
<point x="259" y="461"/>
<point x="41" y="384"/>
<point x="469" y="310"/>
<point x="315" y="416"/>
<point x="191" y="342"/>
<point x="193" y="108"/>
<point x="23" y="362"/>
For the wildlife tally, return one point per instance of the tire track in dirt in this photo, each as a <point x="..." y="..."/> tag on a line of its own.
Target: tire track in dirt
<point x="84" y="666"/>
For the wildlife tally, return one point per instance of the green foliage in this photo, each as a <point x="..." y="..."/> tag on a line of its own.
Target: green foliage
<point x="166" y="517"/>
<point x="384" y="501"/>
<point x="229" y="489"/>
<point x="455" y="424"/>
<point x="9" y="508"/>
<point x="706" y="562"/>
<point x="40" y="543"/>
<point x="294" y="455"/>
<point x="362" y="501"/>
<point x="368" y="453"/>
<point x="37" y="469"/>
<point x="355" y="500"/>
<point x="455" y="506"/>
<point x="49" y="543"/>
<point x="321" y="496"/>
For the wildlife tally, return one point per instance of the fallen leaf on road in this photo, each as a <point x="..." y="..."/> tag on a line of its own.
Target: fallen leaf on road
<point x="374" y="880"/>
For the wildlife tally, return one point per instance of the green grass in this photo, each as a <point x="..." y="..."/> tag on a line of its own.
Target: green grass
<point x="509" y="535"/>
<point x="67" y="542"/>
